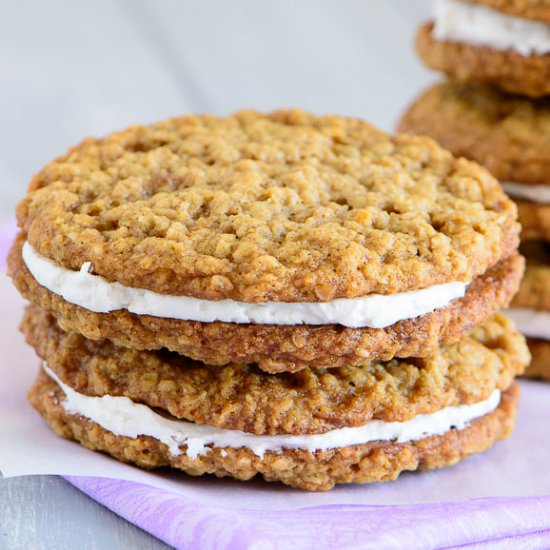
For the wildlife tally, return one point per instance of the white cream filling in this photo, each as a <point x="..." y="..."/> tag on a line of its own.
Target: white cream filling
<point x="123" y="417"/>
<point x="534" y="193"/>
<point x="95" y="293"/>
<point x="457" y="21"/>
<point x="531" y="322"/>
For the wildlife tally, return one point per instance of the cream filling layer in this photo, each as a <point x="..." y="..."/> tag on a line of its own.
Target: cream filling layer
<point x="534" y="193"/>
<point x="123" y="417"/>
<point x="457" y="21"/>
<point x="531" y="322"/>
<point x="95" y="293"/>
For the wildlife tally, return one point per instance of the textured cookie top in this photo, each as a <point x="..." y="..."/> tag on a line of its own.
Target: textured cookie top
<point x="279" y="207"/>
<point x="510" y="135"/>
<point x="312" y="401"/>
<point x="538" y="10"/>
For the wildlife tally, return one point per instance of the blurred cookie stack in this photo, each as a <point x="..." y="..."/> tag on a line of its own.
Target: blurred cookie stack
<point x="495" y="109"/>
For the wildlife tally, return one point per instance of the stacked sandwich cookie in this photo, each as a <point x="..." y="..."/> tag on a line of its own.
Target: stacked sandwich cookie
<point x="506" y="127"/>
<point x="497" y="42"/>
<point x="301" y="297"/>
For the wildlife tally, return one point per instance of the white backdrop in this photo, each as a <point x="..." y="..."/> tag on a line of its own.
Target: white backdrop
<point x="71" y="68"/>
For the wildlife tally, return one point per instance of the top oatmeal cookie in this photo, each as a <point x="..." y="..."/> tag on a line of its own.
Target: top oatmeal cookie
<point x="285" y="206"/>
<point x="538" y="10"/>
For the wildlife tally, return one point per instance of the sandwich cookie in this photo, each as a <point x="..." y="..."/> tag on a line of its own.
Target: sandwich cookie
<point x="310" y="429"/>
<point x="500" y="42"/>
<point x="286" y="240"/>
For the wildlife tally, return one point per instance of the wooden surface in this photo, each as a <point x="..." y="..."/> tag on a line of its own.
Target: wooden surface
<point x="71" y="68"/>
<point x="43" y="513"/>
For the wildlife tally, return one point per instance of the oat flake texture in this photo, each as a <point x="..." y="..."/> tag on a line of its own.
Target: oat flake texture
<point x="285" y="206"/>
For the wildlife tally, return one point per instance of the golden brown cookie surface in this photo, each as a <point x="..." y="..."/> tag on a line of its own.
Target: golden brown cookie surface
<point x="241" y="397"/>
<point x="527" y="75"/>
<point x="279" y="207"/>
<point x="318" y="471"/>
<point x="284" y="348"/>
<point x="510" y="135"/>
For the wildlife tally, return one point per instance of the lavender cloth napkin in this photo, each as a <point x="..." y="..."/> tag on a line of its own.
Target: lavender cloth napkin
<point x="183" y="522"/>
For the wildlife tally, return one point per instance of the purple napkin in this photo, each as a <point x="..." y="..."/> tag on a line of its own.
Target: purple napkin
<point x="184" y="522"/>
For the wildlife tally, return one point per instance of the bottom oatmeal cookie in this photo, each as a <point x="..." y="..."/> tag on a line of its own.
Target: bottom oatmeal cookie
<point x="315" y="471"/>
